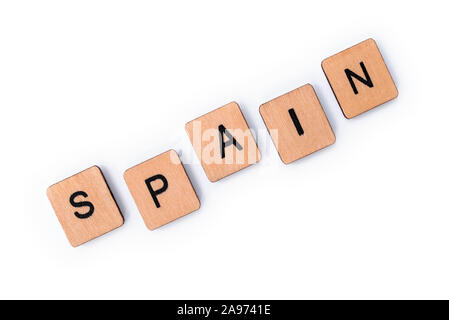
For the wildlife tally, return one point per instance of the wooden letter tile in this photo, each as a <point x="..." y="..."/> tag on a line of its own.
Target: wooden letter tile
<point x="359" y="78"/>
<point x="297" y="124"/>
<point x="161" y="189"/>
<point x="85" y="206"/>
<point x="223" y="142"/>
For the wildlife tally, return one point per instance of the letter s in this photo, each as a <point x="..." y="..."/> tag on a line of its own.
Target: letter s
<point x="81" y="204"/>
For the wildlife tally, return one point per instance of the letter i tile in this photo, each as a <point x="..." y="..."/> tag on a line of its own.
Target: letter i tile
<point x="297" y="124"/>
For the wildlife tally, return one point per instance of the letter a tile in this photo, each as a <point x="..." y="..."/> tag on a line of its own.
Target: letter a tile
<point x="297" y="124"/>
<point x="161" y="189"/>
<point x="85" y="206"/>
<point x="223" y="142"/>
<point x="359" y="78"/>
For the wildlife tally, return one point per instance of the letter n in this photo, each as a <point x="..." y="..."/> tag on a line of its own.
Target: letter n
<point x="366" y="81"/>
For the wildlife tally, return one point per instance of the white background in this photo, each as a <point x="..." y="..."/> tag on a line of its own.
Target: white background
<point x="112" y="83"/>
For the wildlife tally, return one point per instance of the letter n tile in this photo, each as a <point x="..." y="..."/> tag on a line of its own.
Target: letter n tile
<point x="359" y="78"/>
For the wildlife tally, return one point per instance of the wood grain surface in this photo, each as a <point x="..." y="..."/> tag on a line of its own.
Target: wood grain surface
<point x="204" y="134"/>
<point x="83" y="222"/>
<point x="179" y="197"/>
<point x="314" y="132"/>
<point x="381" y="88"/>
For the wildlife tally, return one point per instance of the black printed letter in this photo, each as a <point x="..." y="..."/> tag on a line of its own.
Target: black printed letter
<point x="296" y="121"/>
<point x="366" y="81"/>
<point x="81" y="204"/>
<point x="154" y="193"/>
<point x="231" y="140"/>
